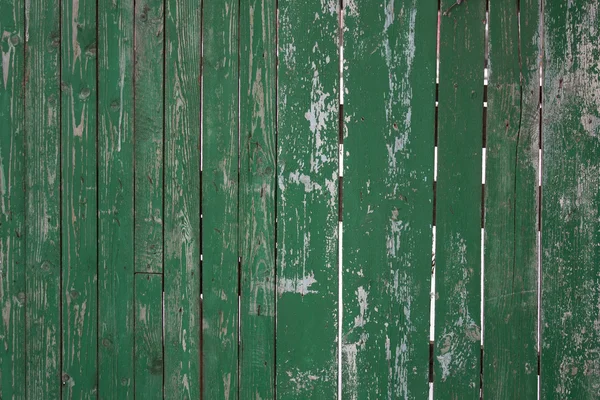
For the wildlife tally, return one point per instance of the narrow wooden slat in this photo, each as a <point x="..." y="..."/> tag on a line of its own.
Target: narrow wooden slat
<point x="257" y="197"/>
<point x="12" y="200"/>
<point x="182" y="199"/>
<point x="307" y="200"/>
<point x="389" y="104"/>
<point x="43" y="241"/>
<point x="220" y="200"/>
<point x="79" y="198"/>
<point x="115" y="200"/>
<point x="458" y="207"/>
<point x="511" y="202"/>
<point x="148" y="127"/>
<point x="570" y="365"/>
<point x="148" y="328"/>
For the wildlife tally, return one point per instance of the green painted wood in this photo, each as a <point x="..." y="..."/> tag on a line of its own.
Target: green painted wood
<point x="389" y="108"/>
<point x="43" y="239"/>
<point x="12" y="200"/>
<point x="79" y="199"/>
<point x="458" y="202"/>
<point x="570" y="367"/>
<point x="149" y="134"/>
<point x="148" y="328"/>
<point x="511" y="202"/>
<point x="115" y="200"/>
<point x="257" y="197"/>
<point x="307" y="200"/>
<point x="182" y="200"/>
<point x="220" y="200"/>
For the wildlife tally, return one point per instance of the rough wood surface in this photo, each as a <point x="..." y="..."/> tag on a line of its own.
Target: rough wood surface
<point x="115" y="200"/>
<point x="43" y="241"/>
<point x="458" y="204"/>
<point x="511" y="202"/>
<point x="307" y="200"/>
<point x="220" y="200"/>
<point x="12" y="200"/>
<point x="570" y="365"/>
<point x="257" y="198"/>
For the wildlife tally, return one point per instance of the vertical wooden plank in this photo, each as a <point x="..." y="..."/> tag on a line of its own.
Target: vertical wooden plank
<point x="182" y="199"/>
<point x="115" y="200"/>
<point x="389" y="107"/>
<point x="148" y="337"/>
<point x="42" y="119"/>
<point x="12" y="200"/>
<point x="79" y="198"/>
<point x="511" y="202"/>
<point x="570" y="366"/>
<point x="257" y="197"/>
<point x="307" y="200"/>
<point x="220" y="199"/>
<point x="458" y="207"/>
<point x="149" y="135"/>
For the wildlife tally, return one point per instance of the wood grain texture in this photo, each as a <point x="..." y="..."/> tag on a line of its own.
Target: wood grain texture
<point x="220" y="249"/>
<point x="389" y="107"/>
<point x="115" y="200"/>
<point x="79" y="198"/>
<point x="257" y="197"/>
<point x="570" y="366"/>
<point x="43" y="240"/>
<point x="511" y="202"/>
<point x="307" y="200"/>
<point x="149" y="134"/>
<point x="458" y="208"/>
<point x="149" y="358"/>
<point x="182" y="199"/>
<point x="12" y="200"/>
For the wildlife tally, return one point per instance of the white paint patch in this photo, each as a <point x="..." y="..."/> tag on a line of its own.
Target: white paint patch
<point x="299" y="178"/>
<point x="361" y="319"/>
<point x="299" y="285"/>
<point x="6" y="58"/>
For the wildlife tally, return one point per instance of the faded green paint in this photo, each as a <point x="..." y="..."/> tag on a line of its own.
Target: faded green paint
<point x="307" y="200"/>
<point x="570" y="366"/>
<point x="511" y="202"/>
<point x="12" y="200"/>
<point x="42" y="137"/>
<point x="115" y="200"/>
<point x="220" y="200"/>
<point x="458" y="202"/>
<point x="389" y="107"/>
<point x="182" y="200"/>
<point x="257" y="198"/>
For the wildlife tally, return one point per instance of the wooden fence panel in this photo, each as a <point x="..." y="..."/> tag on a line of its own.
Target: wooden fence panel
<point x="43" y="222"/>
<point x="115" y="200"/>
<point x="511" y="202"/>
<point x="12" y="200"/>
<point x="570" y="365"/>
<point x="307" y="200"/>
<point x="220" y="249"/>
<point x="389" y="83"/>
<point x="458" y="201"/>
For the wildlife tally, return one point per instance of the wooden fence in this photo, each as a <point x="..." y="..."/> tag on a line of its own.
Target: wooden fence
<point x="237" y="199"/>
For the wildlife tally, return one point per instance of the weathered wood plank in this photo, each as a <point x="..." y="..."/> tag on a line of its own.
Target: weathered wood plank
<point x="79" y="198"/>
<point x="458" y="207"/>
<point x="149" y="135"/>
<point x="220" y="200"/>
<point x="115" y="200"/>
<point x="12" y="200"/>
<point x="182" y="199"/>
<point x="149" y="364"/>
<point x="389" y="107"/>
<point x="511" y="202"/>
<point x="257" y="197"/>
<point x="570" y="365"/>
<point x="42" y="128"/>
<point x="307" y="200"/>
